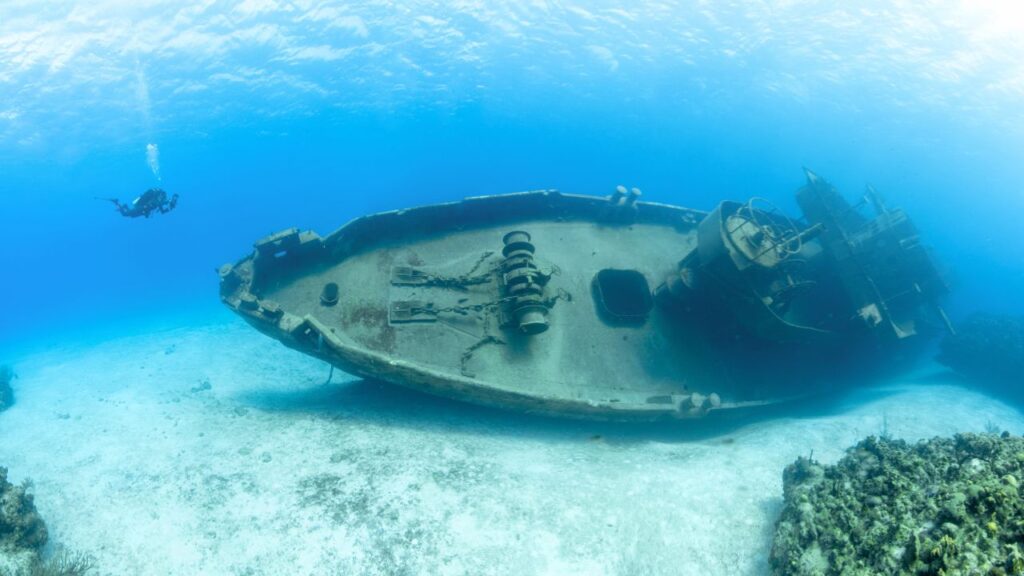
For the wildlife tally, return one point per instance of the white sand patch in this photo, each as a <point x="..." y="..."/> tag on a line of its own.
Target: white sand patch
<point x="268" y="471"/>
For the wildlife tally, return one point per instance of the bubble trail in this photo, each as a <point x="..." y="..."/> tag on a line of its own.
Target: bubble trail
<point x="153" y="159"/>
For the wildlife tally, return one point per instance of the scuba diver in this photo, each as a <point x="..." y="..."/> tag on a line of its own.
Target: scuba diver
<point x="152" y="200"/>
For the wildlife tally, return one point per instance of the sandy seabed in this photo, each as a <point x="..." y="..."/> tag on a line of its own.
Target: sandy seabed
<point x="215" y="450"/>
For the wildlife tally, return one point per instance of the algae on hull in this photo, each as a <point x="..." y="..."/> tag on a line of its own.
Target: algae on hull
<point x="943" y="506"/>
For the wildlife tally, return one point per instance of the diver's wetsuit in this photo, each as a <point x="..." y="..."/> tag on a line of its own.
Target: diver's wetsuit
<point x="152" y="200"/>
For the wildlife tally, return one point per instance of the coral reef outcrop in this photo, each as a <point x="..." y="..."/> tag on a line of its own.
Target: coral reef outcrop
<point x="22" y="531"/>
<point x="6" y="393"/>
<point x="944" y="506"/>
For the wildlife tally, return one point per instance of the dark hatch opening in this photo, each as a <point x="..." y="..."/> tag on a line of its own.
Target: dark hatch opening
<point x="329" y="295"/>
<point x="622" y="296"/>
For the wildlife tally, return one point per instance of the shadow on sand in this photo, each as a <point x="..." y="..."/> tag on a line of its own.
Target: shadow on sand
<point x="379" y="403"/>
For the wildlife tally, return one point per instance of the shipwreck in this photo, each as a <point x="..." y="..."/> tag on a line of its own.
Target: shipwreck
<point x="602" y="307"/>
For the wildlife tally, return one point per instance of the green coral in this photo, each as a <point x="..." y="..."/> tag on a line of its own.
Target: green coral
<point x="943" y="506"/>
<point x="23" y="534"/>
<point x="20" y="524"/>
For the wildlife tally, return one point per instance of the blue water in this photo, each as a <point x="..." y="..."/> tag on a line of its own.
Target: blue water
<point x="271" y="114"/>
